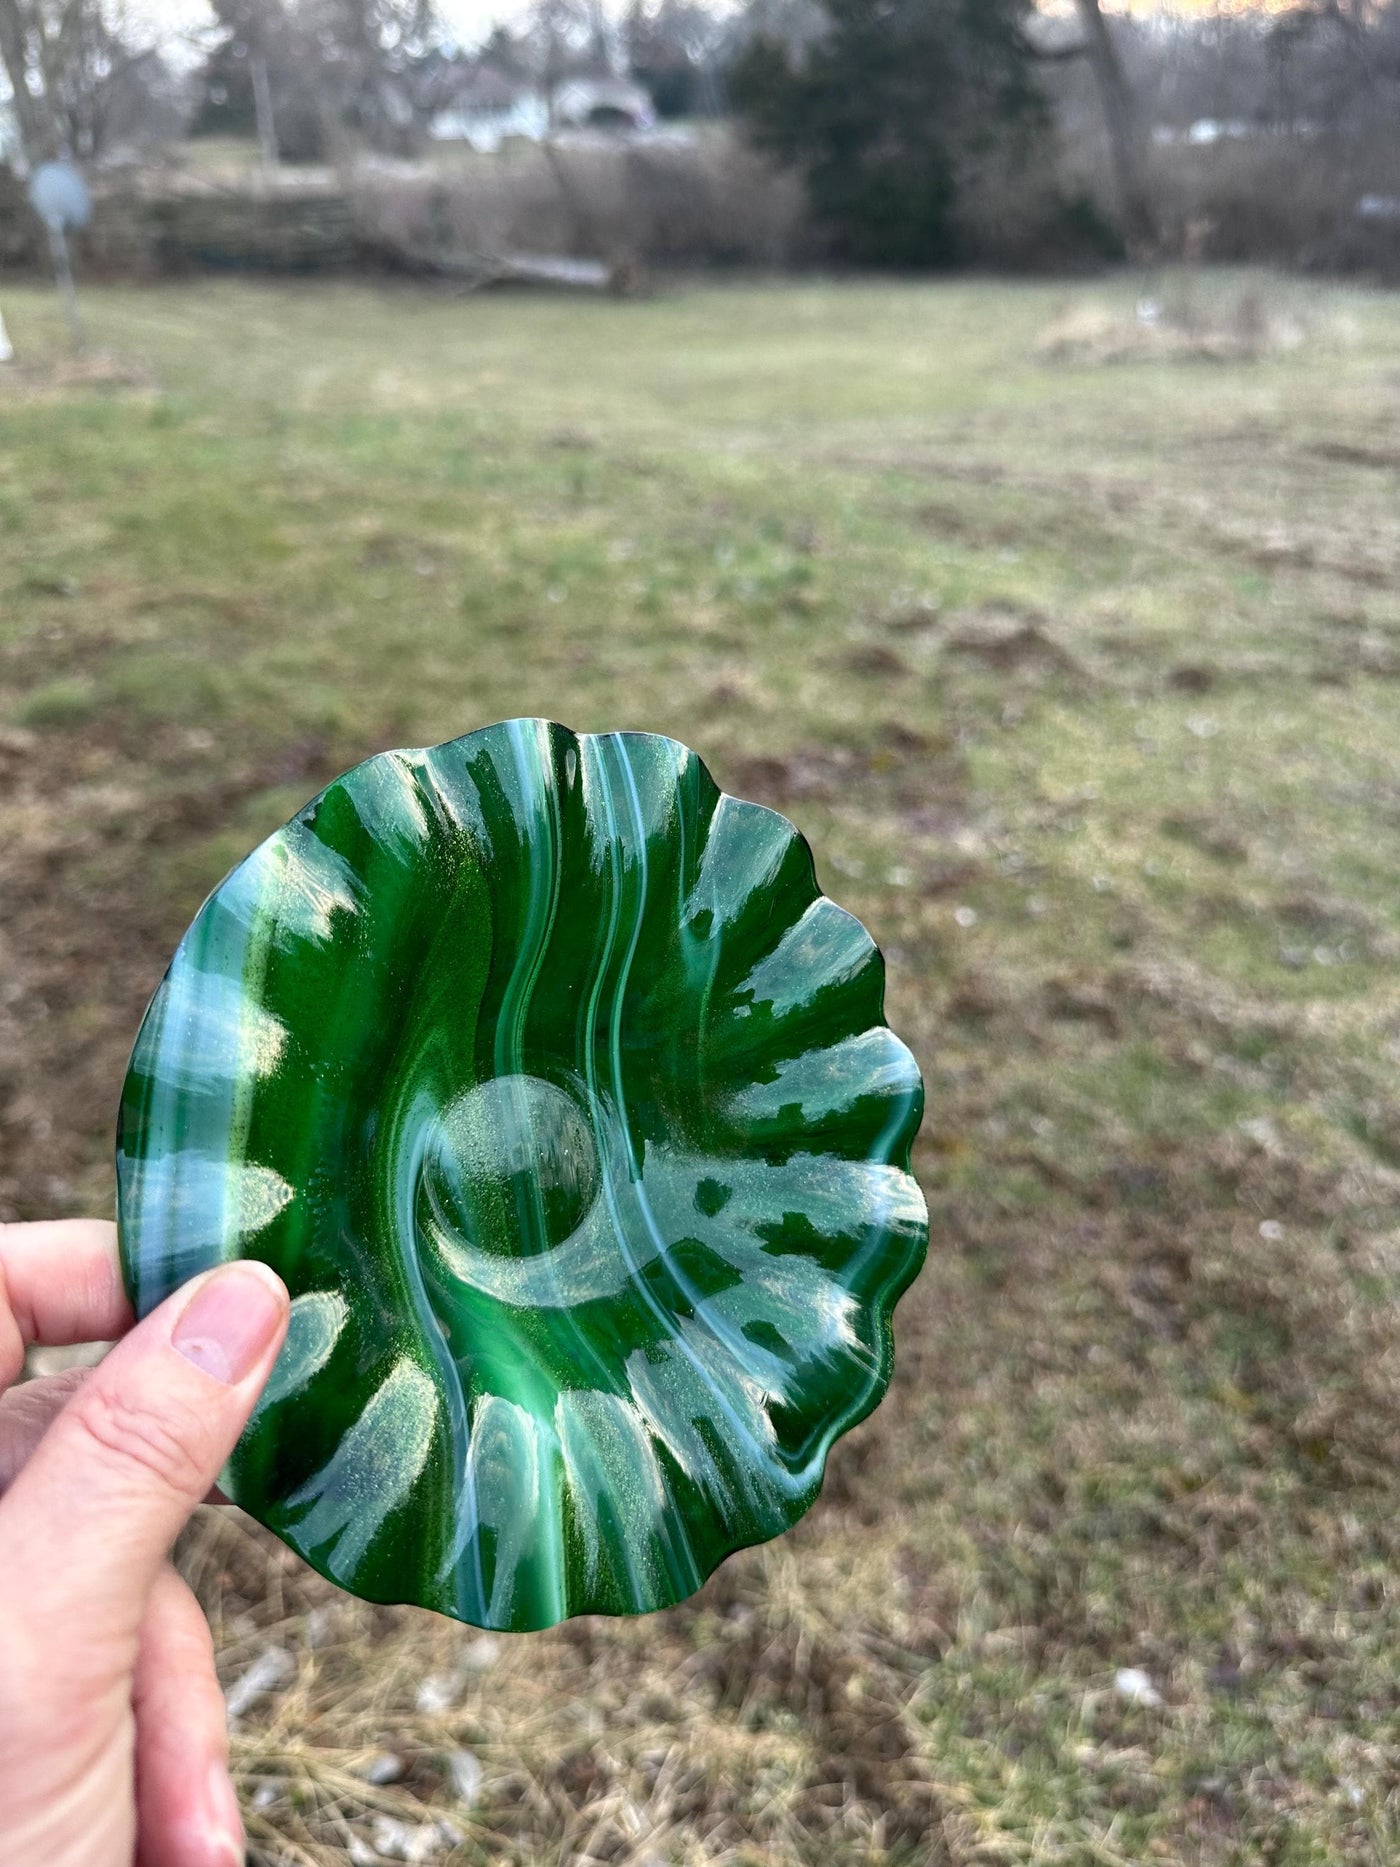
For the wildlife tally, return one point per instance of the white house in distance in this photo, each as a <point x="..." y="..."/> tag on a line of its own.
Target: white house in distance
<point x="491" y="106"/>
<point x="488" y="108"/>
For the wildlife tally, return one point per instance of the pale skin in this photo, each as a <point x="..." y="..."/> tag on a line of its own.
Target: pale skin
<point x="113" y="1745"/>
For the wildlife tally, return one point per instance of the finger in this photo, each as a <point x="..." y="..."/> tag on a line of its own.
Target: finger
<point x="60" y="1282"/>
<point x="25" y="1415"/>
<point x="186" y="1811"/>
<point x="86" y="1525"/>
<point x="27" y="1412"/>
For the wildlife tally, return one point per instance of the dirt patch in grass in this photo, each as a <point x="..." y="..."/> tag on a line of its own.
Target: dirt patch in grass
<point x="84" y="940"/>
<point x="91" y="370"/>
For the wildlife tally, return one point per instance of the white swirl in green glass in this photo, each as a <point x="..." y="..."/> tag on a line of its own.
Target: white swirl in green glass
<point x="562" y="1100"/>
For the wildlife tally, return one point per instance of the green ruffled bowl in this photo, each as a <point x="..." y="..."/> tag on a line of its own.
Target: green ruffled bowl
<point x="562" y="1100"/>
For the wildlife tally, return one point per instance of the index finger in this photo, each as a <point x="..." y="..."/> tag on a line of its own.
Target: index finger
<point x="60" y="1282"/>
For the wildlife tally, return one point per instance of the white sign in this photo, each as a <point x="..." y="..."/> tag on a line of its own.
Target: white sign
<point x="59" y="196"/>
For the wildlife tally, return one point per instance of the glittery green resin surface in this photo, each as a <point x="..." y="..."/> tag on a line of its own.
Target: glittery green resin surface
<point x="563" y="1102"/>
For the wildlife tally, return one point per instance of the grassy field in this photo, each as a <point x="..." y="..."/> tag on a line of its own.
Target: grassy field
<point x="1083" y="680"/>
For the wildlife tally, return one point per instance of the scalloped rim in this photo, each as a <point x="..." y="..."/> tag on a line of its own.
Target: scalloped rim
<point x="901" y="1156"/>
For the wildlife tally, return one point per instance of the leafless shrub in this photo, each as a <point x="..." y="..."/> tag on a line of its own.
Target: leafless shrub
<point x="711" y="202"/>
<point x="1240" y="328"/>
<point x="1284" y="200"/>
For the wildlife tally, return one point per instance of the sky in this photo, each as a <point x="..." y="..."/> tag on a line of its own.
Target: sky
<point x="471" y="20"/>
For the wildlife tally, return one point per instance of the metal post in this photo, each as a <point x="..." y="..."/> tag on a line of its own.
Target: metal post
<point x="262" y="105"/>
<point x="58" y="246"/>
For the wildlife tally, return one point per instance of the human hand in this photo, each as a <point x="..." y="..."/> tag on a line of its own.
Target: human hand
<point x="113" y="1746"/>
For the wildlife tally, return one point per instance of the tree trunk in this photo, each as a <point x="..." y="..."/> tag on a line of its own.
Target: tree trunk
<point x="38" y="130"/>
<point x="1124" y="131"/>
<point x="262" y="107"/>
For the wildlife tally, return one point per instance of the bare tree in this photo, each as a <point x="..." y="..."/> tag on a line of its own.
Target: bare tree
<point x="39" y="133"/>
<point x="81" y="77"/>
<point x="257" y="27"/>
<point x="560" y="35"/>
<point x="363" y="52"/>
<point x="317" y="77"/>
<point x="675" y="48"/>
<point x="1123" y="124"/>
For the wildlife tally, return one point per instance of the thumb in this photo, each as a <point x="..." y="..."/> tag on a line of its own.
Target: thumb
<point x="85" y="1526"/>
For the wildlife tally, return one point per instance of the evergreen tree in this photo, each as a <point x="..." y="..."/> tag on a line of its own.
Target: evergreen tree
<point x="887" y="110"/>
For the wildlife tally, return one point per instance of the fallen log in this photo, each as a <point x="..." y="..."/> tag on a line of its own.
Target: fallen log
<point x="556" y="271"/>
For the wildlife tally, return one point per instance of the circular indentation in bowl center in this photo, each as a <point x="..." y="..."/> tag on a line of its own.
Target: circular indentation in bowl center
<point x="514" y="1169"/>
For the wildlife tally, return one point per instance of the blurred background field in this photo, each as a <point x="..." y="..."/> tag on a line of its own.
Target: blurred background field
<point x="456" y="137"/>
<point x="1064" y="620"/>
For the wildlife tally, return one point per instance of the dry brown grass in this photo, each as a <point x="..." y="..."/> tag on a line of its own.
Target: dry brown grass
<point x="1243" y="330"/>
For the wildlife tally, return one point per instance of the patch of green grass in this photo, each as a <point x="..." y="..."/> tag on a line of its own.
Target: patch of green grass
<point x="58" y="703"/>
